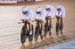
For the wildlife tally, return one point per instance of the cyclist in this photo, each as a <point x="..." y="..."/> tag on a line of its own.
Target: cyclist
<point x="27" y="17"/>
<point x="50" y="14"/>
<point x="40" y="16"/>
<point x="60" y="14"/>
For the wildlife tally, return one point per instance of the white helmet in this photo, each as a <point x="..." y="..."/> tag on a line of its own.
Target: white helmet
<point x="38" y="9"/>
<point x="60" y="7"/>
<point x="25" y="9"/>
<point x="49" y="6"/>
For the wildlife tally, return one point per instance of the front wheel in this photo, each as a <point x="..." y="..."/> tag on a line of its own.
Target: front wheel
<point x="23" y="34"/>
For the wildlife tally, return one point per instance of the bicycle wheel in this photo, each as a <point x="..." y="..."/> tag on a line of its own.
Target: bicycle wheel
<point x="36" y="33"/>
<point x="61" y="28"/>
<point x="49" y="29"/>
<point x="57" y="28"/>
<point x="46" y="29"/>
<point x="23" y="34"/>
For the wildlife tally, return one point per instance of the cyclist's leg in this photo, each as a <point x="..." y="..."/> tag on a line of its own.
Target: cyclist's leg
<point x="50" y="26"/>
<point x="57" y="26"/>
<point x="42" y="28"/>
<point x="30" y="27"/>
<point x="46" y="26"/>
<point x="61" y="25"/>
<point x="31" y="36"/>
<point x="31" y="31"/>
<point x="36" y="31"/>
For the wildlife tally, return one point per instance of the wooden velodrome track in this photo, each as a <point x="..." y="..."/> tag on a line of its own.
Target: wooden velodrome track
<point x="10" y="30"/>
